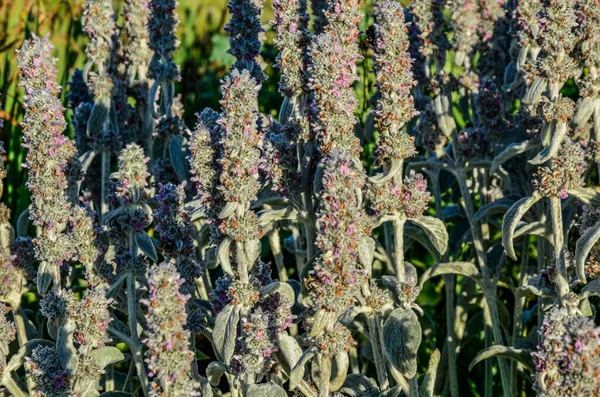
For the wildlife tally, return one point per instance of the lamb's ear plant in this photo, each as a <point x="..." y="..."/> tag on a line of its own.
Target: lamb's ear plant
<point x="261" y="255"/>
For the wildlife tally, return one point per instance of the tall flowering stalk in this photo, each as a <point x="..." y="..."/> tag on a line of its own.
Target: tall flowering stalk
<point x="100" y="26"/>
<point x="48" y="158"/>
<point x="168" y="357"/>
<point x="337" y="275"/>
<point x="130" y="215"/>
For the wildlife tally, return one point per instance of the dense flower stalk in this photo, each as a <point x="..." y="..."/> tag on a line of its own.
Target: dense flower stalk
<point x="163" y="41"/>
<point x="291" y="24"/>
<point x="169" y="356"/>
<point x="334" y="97"/>
<point x="246" y="35"/>
<point x="567" y="362"/>
<point x="136" y="47"/>
<point x="49" y="154"/>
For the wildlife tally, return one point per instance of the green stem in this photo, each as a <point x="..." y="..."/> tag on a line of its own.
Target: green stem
<point x="399" y="250"/>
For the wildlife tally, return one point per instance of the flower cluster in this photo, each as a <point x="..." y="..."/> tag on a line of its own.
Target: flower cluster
<point x="291" y="23"/>
<point x="565" y="172"/>
<point x="169" y="355"/>
<point x="163" y="41"/>
<point x="392" y="65"/>
<point x="176" y="233"/>
<point x="409" y="199"/>
<point x="49" y="377"/>
<point x="341" y="223"/>
<point x="334" y="98"/>
<point x="567" y="362"/>
<point x="7" y="335"/>
<point x="100" y="26"/>
<point x="137" y="51"/>
<point x="245" y="36"/>
<point x="240" y="143"/>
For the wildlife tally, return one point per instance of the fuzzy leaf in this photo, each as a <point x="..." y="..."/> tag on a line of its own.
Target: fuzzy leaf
<point x="587" y="195"/>
<point x="116" y="394"/>
<point x="339" y="371"/>
<point x="214" y="371"/>
<point x="359" y="385"/>
<point x="266" y="390"/>
<point x="435" y="230"/>
<point x="225" y="331"/>
<point x="582" y="249"/>
<point x="178" y="158"/>
<point x="511" y="220"/>
<point x="298" y="371"/>
<point x="366" y="252"/>
<point x="401" y="340"/>
<point x="23" y="223"/>
<point x="585" y="109"/>
<point x="146" y="245"/>
<point x="106" y="355"/>
<point x="223" y="255"/>
<point x="557" y="138"/>
<point x="291" y="351"/>
<point x="467" y="269"/>
<point x="67" y="354"/>
<point x="497" y="207"/>
<point x="278" y="286"/>
<point x="428" y="382"/>
<point x="98" y="115"/>
<point x="511" y="151"/>
<point x="393" y="392"/>
<point x="521" y="355"/>
<point x="44" y="277"/>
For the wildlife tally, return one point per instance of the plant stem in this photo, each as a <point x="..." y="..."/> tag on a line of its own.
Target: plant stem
<point x="488" y="286"/>
<point x="105" y="180"/>
<point x="559" y="256"/>
<point x="12" y="386"/>
<point x="324" y="376"/>
<point x="378" y="356"/>
<point x="136" y="349"/>
<point x="277" y="254"/>
<point x="399" y="250"/>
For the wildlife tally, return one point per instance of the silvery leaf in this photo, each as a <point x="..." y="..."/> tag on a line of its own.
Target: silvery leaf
<point x="67" y="354"/>
<point x="511" y="151"/>
<point x="366" y="251"/>
<point x="521" y="355"/>
<point x="511" y="220"/>
<point x="467" y="269"/>
<point x="223" y="255"/>
<point x="44" y="277"/>
<point x="106" y="355"/>
<point x="225" y="331"/>
<point x="435" y="230"/>
<point x="266" y="390"/>
<point x="23" y="223"/>
<point x="298" y="371"/>
<point x="585" y="109"/>
<point x="359" y="385"/>
<point x="279" y="286"/>
<point x="497" y="207"/>
<point x="177" y="156"/>
<point x="339" y="371"/>
<point x="560" y="132"/>
<point x="291" y="351"/>
<point x="99" y="115"/>
<point x="146" y="245"/>
<point x="214" y="371"/>
<point x="582" y="249"/>
<point x="401" y="340"/>
<point x="428" y="379"/>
